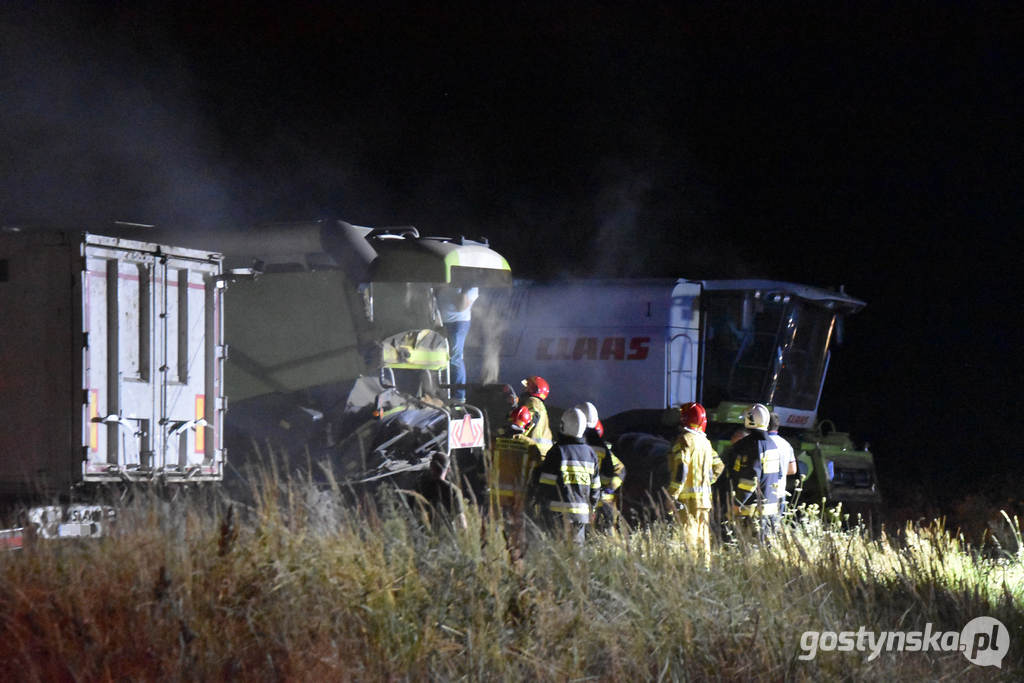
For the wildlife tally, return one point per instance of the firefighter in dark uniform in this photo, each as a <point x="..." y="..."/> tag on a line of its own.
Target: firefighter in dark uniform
<point x="568" y="484"/>
<point x="756" y="470"/>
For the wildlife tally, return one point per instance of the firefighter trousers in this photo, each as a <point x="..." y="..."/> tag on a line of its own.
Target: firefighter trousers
<point x="697" y="532"/>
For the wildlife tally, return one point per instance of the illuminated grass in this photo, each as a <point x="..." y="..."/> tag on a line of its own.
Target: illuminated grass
<point x="302" y="587"/>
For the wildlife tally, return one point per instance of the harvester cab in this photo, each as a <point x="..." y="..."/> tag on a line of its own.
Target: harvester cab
<point x="770" y="342"/>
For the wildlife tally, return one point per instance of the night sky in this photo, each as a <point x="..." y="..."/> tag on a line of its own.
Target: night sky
<point x="875" y="148"/>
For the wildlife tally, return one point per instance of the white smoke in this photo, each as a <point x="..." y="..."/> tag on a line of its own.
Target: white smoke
<point x="492" y="325"/>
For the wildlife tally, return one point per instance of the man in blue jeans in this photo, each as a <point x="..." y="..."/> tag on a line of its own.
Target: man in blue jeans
<point x="456" y="304"/>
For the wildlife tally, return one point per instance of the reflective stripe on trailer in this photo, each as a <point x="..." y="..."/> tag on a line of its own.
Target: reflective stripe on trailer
<point x="200" y="429"/>
<point x="94" y="425"/>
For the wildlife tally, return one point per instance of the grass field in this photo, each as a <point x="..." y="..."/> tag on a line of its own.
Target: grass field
<point x="303" y="587"/>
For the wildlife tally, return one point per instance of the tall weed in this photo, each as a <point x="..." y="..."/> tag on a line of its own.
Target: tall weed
<point x="303" y="583"/>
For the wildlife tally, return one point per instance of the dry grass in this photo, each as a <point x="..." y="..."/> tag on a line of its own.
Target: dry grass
<point x="303" y="587"/>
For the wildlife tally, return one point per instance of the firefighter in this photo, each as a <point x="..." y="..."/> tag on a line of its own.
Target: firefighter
<point x="515" y="457"/>
<point x="756" y="470"/>
<point x="788" y="458"/>
<point x="568" y="484"/>
<point x="516" y="424"/>
<point x="693" y="466"/>
<point x="519" y="422"/>
<point x="535" y="392"/>
<point x="612" y="470"/>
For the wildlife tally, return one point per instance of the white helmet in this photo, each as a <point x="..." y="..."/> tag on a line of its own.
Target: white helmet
<point x="574" y="422"/>
<point x="756" y="417"/>
<point x="590" y="410"/>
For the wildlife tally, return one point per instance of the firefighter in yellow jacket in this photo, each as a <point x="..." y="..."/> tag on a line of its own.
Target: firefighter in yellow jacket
<point x="693" y="466"/>
<point x="514" y="456"/>
<point x="538" y="432"/>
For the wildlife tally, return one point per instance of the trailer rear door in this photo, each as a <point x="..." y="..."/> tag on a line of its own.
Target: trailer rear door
<point x="152" y="362"/>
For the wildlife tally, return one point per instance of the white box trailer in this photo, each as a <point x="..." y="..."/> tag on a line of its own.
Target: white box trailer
<point x="112" y="360"/>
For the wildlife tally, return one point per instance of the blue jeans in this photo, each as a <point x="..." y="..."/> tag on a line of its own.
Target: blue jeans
<point x="457" y="333"/>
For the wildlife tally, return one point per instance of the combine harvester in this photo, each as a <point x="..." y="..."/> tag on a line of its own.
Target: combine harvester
<point x="637" y="348"/>
<point x="336" y="354"/>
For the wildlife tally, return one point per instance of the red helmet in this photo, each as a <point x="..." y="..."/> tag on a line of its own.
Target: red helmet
<point x="537" y="386"/>
<point x="520" y="417"/>
<point x="692" y="415"/>
<point x="599" y="428"/>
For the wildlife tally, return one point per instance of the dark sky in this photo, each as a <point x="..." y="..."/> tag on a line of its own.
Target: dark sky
<point x="865" y="146"/>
